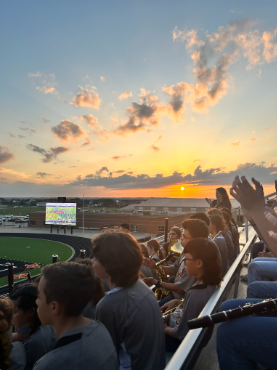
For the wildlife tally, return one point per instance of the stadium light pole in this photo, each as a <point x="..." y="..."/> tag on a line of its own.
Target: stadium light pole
<point x="83" y="213"/>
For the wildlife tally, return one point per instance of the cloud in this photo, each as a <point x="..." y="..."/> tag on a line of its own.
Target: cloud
<point x="214" y="55"/>
<point x="46" y="84"/>
<point x="197" y="160"/>
<point x="103" y="169"/>
<point x="142" y="116"/>
<point x="50" y="154"/>
<point x="11" y="135"/>
<point x="177" y="94"/>
<point x="272" y="165"/>
<point x="44" y="120"/>
<point x="125" y="95"/>
<point x="268" y="128"/>
<point x="91" y="149"/>
<point x="92" y="122"/>
<point x="192" y="119"/>
<point x="88" y="98"/>
<point x="29" y="130"/>
<point x="115" y="119"/>
<point x="120" y="171"/>
<point x="5" y="154"/>
<point x="211" y="176"/>
<point x="67" y="130"/>
<point x="236" y="143"/>
<point x="159" y="138"/>
<point x="252" y="139"/>
<point x="102" y="78"/>
<point x="155" y="148"/>
<point x="269" y="140"/>
<point x="87" y="142"/>
<point x="117" y="157"/>
<point x="42" y="175"/>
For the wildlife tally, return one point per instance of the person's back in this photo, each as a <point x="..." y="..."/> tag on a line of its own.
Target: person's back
<point x="39" y="343"/>
<point x="221" y="244"/>
<point x="235" y="239"/>
<point x="230" y="246"/>
<point x="130" y="310"/>
<point x="133" y="318"/>
<point x="84" y="348"/>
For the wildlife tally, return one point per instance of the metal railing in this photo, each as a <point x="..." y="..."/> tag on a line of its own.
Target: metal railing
<point x="187" y="352"/>
<point x="185" y="356"/>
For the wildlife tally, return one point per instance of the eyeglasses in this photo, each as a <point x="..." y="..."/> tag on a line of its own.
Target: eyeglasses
<point x="188" y="259"/>
<point x="183" y="236"/>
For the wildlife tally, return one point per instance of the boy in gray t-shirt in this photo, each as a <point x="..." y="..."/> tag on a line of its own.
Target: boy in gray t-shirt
<point x="64" y="291"/>
<point x="130" y="310"/>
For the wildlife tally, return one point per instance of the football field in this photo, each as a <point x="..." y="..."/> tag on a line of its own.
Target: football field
<point x="31" y="250"/>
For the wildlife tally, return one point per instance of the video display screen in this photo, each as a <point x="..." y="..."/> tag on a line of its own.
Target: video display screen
<point x="60" y="214"/>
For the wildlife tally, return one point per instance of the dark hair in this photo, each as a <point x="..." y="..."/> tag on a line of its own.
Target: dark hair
<point x="153" y="243"/>
<point x="208" y="253"/>
<point x="177" y="230"/>
<point x="144" y="250"/>
<point x="26" y="295"/>
<point x="99" y="291"/>
<point x="6" y="313"/>
<point x="120" y="254"/>
<point x="214" y="211"/>
<point x="200" y="216"/>
<point x="72" y="284"/>
<point x="218" y="222"/>
<point x="125" y="226"/>
<point x="232" y="221"/>
<point x="196" y="228"/>
<point x="225" y="202"/>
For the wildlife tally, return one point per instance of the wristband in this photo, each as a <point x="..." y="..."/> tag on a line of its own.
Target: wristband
<point x="158" y="285"/>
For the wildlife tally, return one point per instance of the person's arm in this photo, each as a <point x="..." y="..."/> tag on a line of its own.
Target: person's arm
<point x="170" y="331"/>
<point x="253" y="201"/>
<point x="149" y="262"/>
<point x="171" y="304"/>
<point x="168" y="286"/>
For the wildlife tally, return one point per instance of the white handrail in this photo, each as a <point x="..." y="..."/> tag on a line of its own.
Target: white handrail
<point x="187" y="344"/>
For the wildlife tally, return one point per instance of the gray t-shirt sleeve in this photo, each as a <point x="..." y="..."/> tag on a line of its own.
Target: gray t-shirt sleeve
<point x="185" y="283"/>
<point x="176" y="264"/>
<point x="195" y="301"/>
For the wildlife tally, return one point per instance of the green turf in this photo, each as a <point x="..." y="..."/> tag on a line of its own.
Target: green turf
<point x="32" y="250"/>
<point x="24" y="211"/>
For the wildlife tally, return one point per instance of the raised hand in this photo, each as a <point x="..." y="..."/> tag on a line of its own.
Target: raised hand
<point x="150" y="281"/>
<point x="251" y="199"/>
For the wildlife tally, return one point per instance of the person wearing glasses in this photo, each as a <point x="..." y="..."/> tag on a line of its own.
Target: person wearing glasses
<point x="192" y="229"/>
<point x="202" y="262"/>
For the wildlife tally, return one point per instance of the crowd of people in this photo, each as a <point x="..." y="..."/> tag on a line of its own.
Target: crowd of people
<point x="102" y="314"/>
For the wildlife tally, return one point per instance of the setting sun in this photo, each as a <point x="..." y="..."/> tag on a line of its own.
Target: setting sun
<point x="182" y="188"/>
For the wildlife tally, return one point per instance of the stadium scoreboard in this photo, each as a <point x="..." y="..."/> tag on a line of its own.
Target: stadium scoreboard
<point x="60" y="214"/>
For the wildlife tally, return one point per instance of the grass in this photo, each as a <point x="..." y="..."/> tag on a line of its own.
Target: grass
<point x="20" y="211"/>
<point x="32" y="250"/>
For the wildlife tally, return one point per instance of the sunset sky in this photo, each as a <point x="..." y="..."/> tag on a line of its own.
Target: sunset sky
<point x="136" y="98"/>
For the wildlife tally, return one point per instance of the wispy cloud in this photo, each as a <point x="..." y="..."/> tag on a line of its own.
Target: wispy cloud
<point x="44" y="120"/>
<point x="155" y="148"/>
<point x="117" y="157"/>
<point x="102" y="78"/>
<point x="252" y="139"/>
<point x="236" y="143"/>
<point x="48" y="155"/>
<point x="46" y="83"/>
<point x="29" y="130"/>
<point x="5" y="154"/>
<point x="42" y="175"/>
<point x="125" y="95"/>
<point x="225" y="46"/>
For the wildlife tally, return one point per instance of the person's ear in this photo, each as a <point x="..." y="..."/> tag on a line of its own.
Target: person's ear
<point x="55" y="308"/>
<point x="199" y="264"/>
